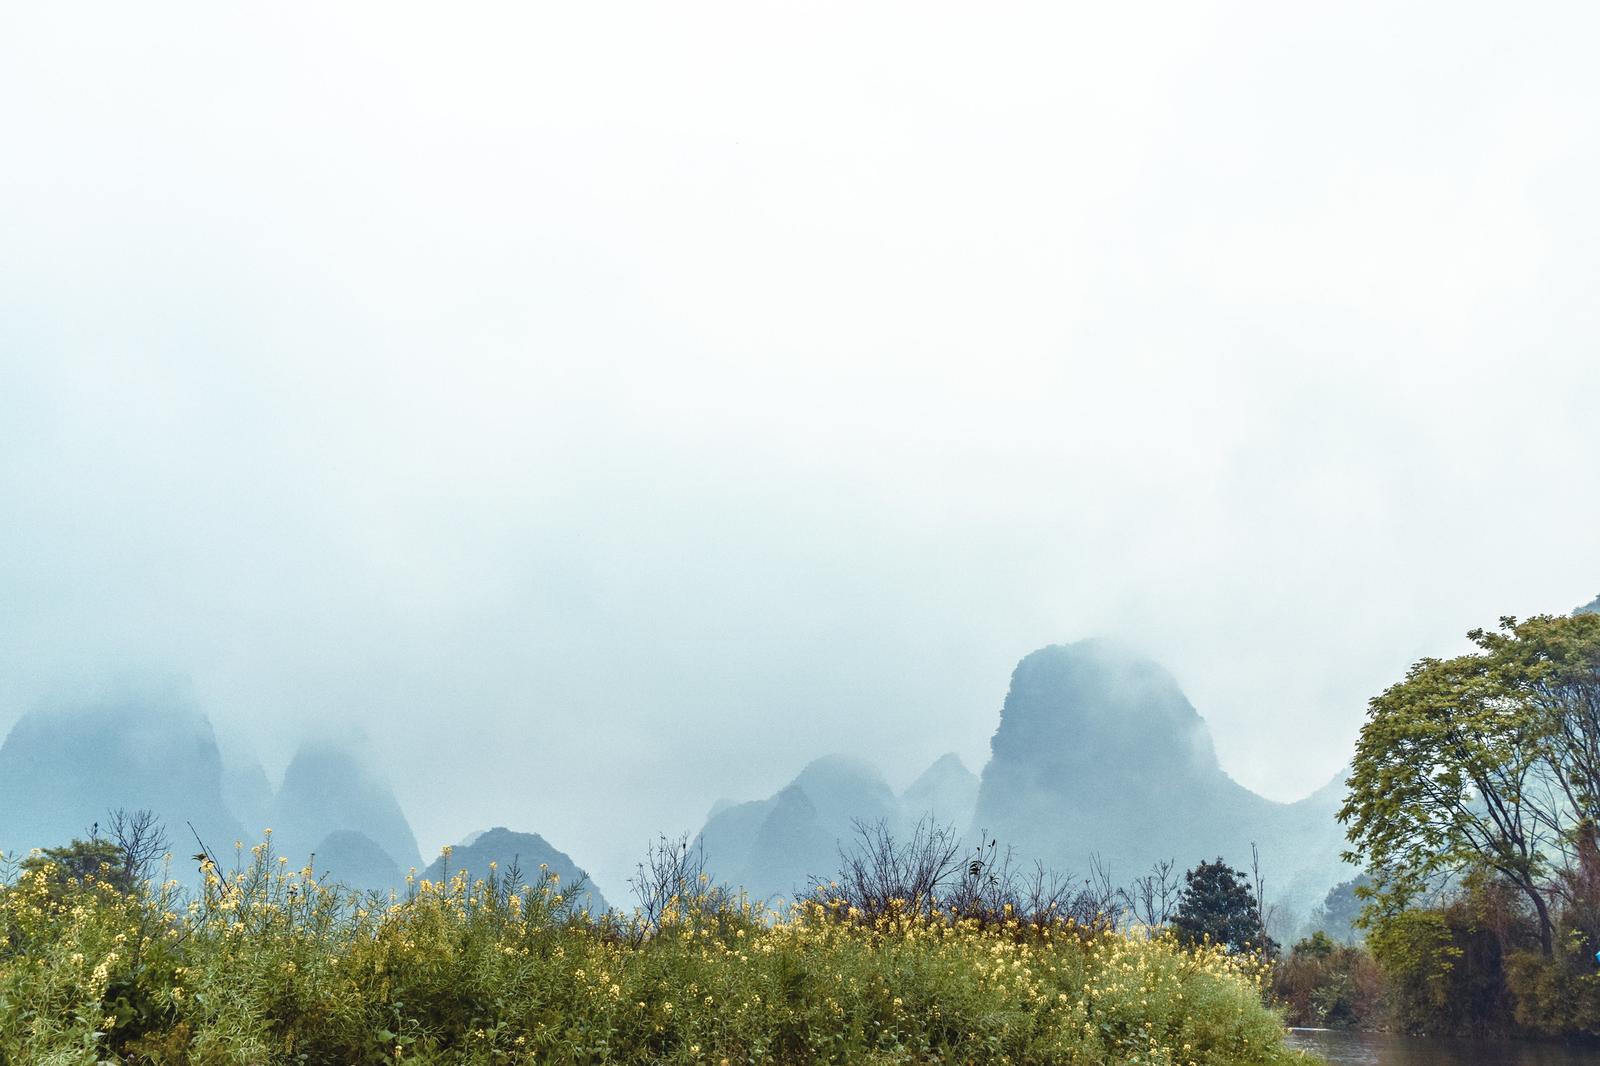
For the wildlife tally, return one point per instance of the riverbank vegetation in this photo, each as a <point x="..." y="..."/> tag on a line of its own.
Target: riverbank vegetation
<point x="1474" y="808"/>
<point x="1468" y="963"/>
<point x="266" y="964"/>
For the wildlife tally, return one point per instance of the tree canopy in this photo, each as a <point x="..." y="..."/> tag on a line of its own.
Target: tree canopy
<point x="1218" y="905"/>
<point x="1487" y="760"/>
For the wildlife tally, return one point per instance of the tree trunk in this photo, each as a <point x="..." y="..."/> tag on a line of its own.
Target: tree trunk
<point x="1546" y="926"/>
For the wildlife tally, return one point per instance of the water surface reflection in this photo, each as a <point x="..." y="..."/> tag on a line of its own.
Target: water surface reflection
<point x="1343" y="1047"/>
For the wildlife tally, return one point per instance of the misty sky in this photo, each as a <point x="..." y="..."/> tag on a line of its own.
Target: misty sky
<point x="610" y="408"/>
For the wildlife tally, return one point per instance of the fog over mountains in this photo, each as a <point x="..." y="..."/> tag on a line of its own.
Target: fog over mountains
<point x="63" y="768"/>
<point x="331" y="788"/>
<point x="1098" y="758"/>
<point x="1098" y="750"/>
<point x="602" y="452"/>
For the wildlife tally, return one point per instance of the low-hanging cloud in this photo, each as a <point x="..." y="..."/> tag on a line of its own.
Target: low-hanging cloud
<point x="612" y="410"/>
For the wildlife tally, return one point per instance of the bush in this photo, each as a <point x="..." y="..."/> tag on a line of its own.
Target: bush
<point x="1325" y="984"/>
<point x="1558" y="994"/>
<point x="1444" y="971"/>
<point x="925" y="874"/>
<point x="268" y="965"/>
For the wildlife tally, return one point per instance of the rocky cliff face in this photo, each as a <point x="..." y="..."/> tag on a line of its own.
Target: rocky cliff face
<point x="1092" y="711"/>
<point x="531" y="853"/>
<point x="62" y="770"/>
<point x="1099" y="755"/>
<point x="330" y="787"/>
<point x="1592" y="607"/>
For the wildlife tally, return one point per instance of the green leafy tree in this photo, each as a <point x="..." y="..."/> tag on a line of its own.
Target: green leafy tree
<point x="1490" y="759"/>
<point x="1445" y="967"/>
<point x="1418" y="954"/>
<point x="1218" y="905"/>
<point x="81" y="863"/>
<point x="1340" y="910"/>
<point x="1548" y="668"/>
<point x="123" y="859"/>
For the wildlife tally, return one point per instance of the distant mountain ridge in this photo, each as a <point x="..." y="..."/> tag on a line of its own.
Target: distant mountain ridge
<point x="335" y="787"/>
<point x="775" y="847"/>
<point x="771" y="847"/>
<point x="947" y="792"/>
<point x="353" y="859"/>
<point x="1099" y="756"/>
<point x="63" y="769"/>
<point x="245" y="787"/>
<point x="529" y="853"/>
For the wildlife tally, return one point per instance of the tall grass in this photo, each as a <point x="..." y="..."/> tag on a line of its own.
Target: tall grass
<point x="268" y="965"/>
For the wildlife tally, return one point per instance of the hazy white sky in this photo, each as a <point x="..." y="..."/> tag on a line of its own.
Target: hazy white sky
<point x="613" y="407"/>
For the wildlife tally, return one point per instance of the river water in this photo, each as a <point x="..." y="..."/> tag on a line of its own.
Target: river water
<point x="1343" y="1047"/>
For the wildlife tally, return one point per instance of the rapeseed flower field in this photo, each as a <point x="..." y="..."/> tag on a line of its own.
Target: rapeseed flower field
<point x="266" y="964"/>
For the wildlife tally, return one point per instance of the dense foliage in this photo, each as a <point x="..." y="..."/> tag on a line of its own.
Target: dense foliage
<point x="1474" y="807"/>
<point x="268" y="965"/>
<point x="1326" y="984"/>
<point x="1218" y="906"/>
<point x="1488" y="760"/>
<point x="1466" y="964"/>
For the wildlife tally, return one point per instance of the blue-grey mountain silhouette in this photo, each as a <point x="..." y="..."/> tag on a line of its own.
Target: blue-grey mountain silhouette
<point x="356" y="861"/>
<point x="775" y="847"/>
<point x="245" y="787"/>
<point x="330" y="787"/>
<point x="1100" y="755"/>
<point x="531" y="854"/>
<point x="946" y="793"/>
<point x="62" y="769"/>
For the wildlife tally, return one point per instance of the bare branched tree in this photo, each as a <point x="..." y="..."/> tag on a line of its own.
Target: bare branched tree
<point x="1100" y="898"/>
<point x="674" y="882"/>
<point x="1153" y="898"/>
<point x="992" y="887"/>
<point x="878" y="872"/>
<point x="984" y="876"/>
<point x="1258" y="885"/>
<point x="142" y="840"/>
<point x="927" y="874"/>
